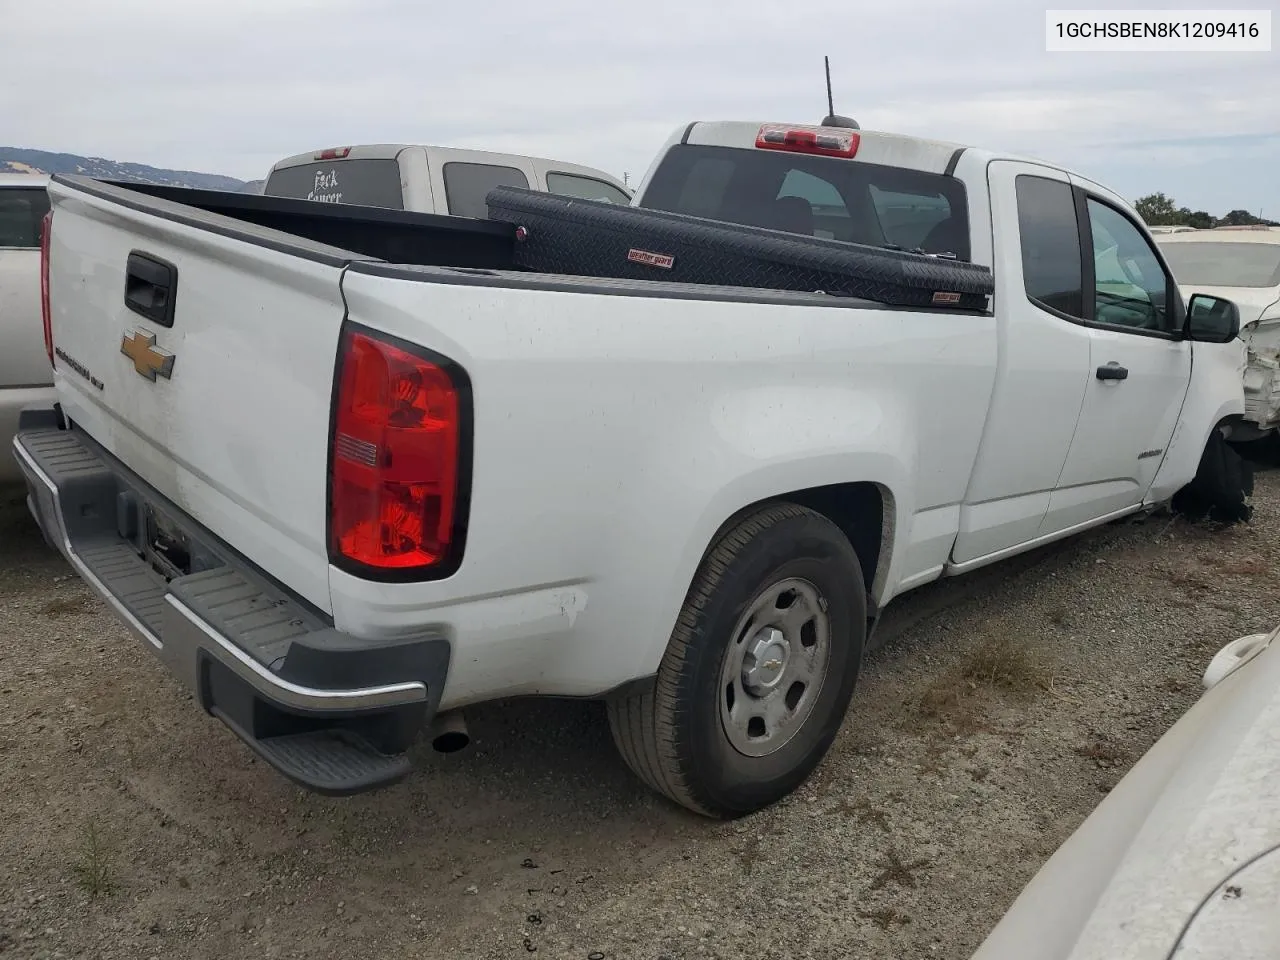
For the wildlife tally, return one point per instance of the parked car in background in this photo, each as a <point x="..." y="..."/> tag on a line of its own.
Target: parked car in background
<point x="1243" y="265"/>
<point x="1182" y="858"/>
<point x="347" y="483"/>
<point x="427" y="179"/>
<point x="26" y="370"/>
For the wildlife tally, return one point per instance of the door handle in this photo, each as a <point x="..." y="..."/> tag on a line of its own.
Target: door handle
<point x="1113" y="371"/>
<point x="150" y="286"/>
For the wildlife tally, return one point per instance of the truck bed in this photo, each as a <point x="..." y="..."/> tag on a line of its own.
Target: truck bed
<point x="423" y="239"/>
<point x="574" y="238"/>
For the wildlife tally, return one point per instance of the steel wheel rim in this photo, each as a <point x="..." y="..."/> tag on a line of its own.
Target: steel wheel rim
<point x="774" y="667"/>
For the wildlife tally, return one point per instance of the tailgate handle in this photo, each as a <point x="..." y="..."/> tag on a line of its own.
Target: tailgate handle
<point x="150" y="286"/>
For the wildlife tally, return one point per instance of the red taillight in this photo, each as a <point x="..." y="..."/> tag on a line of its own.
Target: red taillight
<point x="333" y="153"/>
<point x="400" y="421"/>
<point x="45" y="228"/>
<point x="823" y="141"/>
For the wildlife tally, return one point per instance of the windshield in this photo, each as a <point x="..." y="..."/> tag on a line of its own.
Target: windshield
<point x="815" y="196"/>
<point x="1224" y="264"/>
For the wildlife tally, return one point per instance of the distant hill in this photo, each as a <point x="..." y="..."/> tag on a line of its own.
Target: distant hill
<point x="21" y="160"/>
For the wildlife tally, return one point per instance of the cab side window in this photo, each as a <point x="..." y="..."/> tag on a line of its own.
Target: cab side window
<point x="1131" y="288"/>
<point x="1050" y="239"/>
<point x="466" y="185"/>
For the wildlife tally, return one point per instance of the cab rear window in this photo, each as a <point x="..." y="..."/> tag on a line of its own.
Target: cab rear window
<point x="368" y="183"/>
<point x="837" y="199"/>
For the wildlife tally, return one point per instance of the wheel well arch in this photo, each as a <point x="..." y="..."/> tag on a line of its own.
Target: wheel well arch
<point x="864" y="512"/>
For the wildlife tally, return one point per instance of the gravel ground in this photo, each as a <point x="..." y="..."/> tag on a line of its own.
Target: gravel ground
<point x="994" y="719"/>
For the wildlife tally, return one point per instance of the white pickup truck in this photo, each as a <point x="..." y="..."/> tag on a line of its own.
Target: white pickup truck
<point x="25" y="374"/>
<point x="346" y="489"/>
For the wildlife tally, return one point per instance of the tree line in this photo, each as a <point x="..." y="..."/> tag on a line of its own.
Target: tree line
<point x="1160" y="211"/>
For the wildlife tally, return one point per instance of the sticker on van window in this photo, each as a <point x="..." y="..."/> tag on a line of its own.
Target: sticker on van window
<point x="326" y="181"/>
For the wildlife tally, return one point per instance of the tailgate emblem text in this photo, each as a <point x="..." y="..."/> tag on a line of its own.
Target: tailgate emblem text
<point x="148" y="359"/>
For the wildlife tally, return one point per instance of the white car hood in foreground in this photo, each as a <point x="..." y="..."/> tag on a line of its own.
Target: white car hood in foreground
<point x="1241" y="918"/>
<point x="1178" y="860"/>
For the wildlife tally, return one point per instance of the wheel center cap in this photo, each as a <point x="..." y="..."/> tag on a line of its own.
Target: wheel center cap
<point x="765" y="661"/>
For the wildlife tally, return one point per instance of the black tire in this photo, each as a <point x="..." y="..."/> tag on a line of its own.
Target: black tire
<point x="672" y="734"/>
<point x="1222" y="486"/>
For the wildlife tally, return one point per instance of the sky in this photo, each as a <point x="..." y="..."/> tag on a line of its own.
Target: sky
<point x="233" y="86"/>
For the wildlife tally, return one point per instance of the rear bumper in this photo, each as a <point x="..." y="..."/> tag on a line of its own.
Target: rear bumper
<point x="332" y="712"/>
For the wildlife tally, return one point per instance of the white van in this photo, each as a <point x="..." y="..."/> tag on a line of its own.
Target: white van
<point x="426" y="179"/>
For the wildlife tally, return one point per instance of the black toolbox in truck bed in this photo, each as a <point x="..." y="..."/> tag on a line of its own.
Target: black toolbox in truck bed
<point x="566" y="235"/>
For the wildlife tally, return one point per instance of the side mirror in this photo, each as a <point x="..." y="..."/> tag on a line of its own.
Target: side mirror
<point x="1212" y="319"/>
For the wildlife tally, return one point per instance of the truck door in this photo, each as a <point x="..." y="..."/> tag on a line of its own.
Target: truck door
<point x="1044" y="357"/>
<point x="1140" y="369"/>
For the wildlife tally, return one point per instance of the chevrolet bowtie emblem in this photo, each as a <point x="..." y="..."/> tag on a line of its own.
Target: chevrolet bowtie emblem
<point x="148" y="359"/>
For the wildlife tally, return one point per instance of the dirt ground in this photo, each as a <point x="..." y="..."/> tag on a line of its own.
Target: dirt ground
<point x="992" y="722"/>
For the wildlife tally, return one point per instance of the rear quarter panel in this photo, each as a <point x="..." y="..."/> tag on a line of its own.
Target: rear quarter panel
<point x="615" y="434"/>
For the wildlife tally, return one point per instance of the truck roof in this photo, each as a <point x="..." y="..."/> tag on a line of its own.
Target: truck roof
<point x="876" y="146"/>
<point x="24" y="179"/>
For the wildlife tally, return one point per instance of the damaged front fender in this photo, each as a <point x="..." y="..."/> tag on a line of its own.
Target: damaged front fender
<point x="1262" y="373"/>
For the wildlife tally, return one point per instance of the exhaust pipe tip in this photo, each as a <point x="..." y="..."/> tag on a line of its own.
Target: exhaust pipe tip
<point x="449" y="733"/>
<point x="451" y="741"/>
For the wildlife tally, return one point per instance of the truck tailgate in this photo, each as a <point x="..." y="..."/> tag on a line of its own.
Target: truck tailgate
<point x="218" y="392"/>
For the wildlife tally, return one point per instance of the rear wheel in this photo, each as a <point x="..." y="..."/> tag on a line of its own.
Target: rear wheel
<point x="759" y="670"/>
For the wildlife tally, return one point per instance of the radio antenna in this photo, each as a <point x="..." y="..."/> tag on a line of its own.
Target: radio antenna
<point x="832" y="120"/>
<point x="831" y="107"/>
